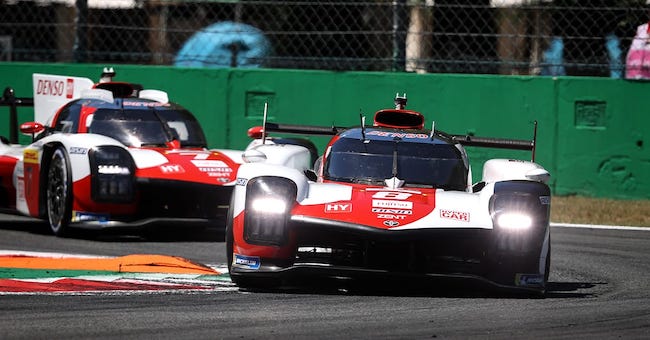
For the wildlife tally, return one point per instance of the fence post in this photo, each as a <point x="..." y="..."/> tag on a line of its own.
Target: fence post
<point x="81" y="23"/>
<point x="9" y="99"/>
<point x="399" y="35"/>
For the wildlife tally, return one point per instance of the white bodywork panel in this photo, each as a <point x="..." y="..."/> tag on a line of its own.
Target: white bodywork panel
<point x="496" y="170"/>
<point x="51" y="92"/>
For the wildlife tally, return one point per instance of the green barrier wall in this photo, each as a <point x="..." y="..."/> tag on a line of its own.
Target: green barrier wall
<point x="592" y="133"/>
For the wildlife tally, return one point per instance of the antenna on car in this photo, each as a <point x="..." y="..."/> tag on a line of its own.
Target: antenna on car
<point x="107" y="75"/>
<point x="433" y="129"/>
<point x="534" y="140"/>
<point x="266" y="106"/>
<point x="400" y="102"/>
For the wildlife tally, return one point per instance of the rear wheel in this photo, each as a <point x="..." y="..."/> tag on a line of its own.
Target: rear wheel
<point x="59" y="192"/>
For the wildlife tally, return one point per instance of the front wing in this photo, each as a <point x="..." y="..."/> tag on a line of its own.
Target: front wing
<point x="325" y="248"/>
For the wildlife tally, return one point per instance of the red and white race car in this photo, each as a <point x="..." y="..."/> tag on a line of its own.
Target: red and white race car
<point x="113" y="154"/>
<point x="393" y="199"/>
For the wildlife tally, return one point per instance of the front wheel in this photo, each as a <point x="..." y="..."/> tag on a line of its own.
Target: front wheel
<point x="59" y="192"/>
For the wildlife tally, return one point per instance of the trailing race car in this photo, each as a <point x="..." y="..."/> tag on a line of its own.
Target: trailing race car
<point x="392" y="199"/>
<point x="113" y="154"/>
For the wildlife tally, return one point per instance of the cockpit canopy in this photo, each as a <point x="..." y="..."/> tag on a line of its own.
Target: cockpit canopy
<point x="418" y="164"/>
<point x="152" y="127"/>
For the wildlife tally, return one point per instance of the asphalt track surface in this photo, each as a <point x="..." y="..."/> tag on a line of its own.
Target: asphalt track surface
<point x="599" y="288"/>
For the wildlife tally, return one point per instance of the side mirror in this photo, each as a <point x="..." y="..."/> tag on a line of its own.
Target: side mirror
<point x="256" y="132"/>
<point x="31" y="128"/>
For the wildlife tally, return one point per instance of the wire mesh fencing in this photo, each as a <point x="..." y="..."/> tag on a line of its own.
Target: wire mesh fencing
<point x="538" y="37"/>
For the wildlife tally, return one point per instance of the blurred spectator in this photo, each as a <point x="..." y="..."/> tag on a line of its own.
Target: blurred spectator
<point x="638" y="57"/>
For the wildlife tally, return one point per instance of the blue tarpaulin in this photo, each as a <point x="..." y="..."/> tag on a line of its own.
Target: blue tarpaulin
<point x="225" y="44"/>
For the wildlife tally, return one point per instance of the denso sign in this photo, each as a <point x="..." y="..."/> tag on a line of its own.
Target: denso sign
<point x="48" y="87"/>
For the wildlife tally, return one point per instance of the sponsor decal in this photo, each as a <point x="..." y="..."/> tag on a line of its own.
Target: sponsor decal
<point x="545" y="200"/>
<point x="392" y="211"/>
<point x="69" y="90"/>
<point x="398" y="134"/>
<point x="338" y="208"/>
<point x="391" y="223"/>
<point x="80" y="216"/>
<point x="529" y="280"/>
<point x="20" y="188"/>
<point x="172" y="169"/>
<point x="77" y="150"/>
<point x="214" y="168"/>
<point x="241" y="181"/>
<point x="454" y="215"/>
<point x="200" y="163"/>
<point x="392" y="204"/>
<point x="315" y="250"/>
<point x="248" y="262"/>
<point x="391" y="216"/>
<point x="219" y="174"/>
<point x="143" y="104"/>
<point x="46" y="87"/>
<point x="30" y="156"/>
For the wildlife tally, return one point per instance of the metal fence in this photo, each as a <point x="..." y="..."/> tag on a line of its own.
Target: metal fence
<point x="445" y="36"/>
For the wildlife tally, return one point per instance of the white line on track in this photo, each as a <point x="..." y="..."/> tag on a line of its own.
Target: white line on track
<point x="595" y="226"/>
<point x="48" y="255"/>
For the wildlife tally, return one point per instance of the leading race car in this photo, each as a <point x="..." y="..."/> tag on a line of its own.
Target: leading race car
<point x="113" y="154"/>
<point x="392" y="199"/>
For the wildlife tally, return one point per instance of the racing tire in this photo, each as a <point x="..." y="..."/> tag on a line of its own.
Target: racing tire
<point x="59" y="192"/>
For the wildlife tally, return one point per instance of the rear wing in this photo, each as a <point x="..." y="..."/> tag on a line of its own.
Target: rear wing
<point x="465" y="140"/>
<point x="498" y="143"/>
<point x="9" y="99"/>
<point x="51" y="92"/>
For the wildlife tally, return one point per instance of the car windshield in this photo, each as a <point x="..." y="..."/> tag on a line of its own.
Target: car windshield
<point x="150" y="127"/>
<point x="418" y="164"/>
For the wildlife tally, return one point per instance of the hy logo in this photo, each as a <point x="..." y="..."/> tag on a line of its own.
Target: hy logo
<point x="338" y="208"/>
<point x="172" y="168"/>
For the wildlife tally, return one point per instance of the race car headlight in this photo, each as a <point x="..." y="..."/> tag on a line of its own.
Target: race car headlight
<point x="269" y="205"/>
<point x="514" y="220"/>
<point x="513" y="212"/>
<point x="112" y="174"/>
<point x="268" y="202"/>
